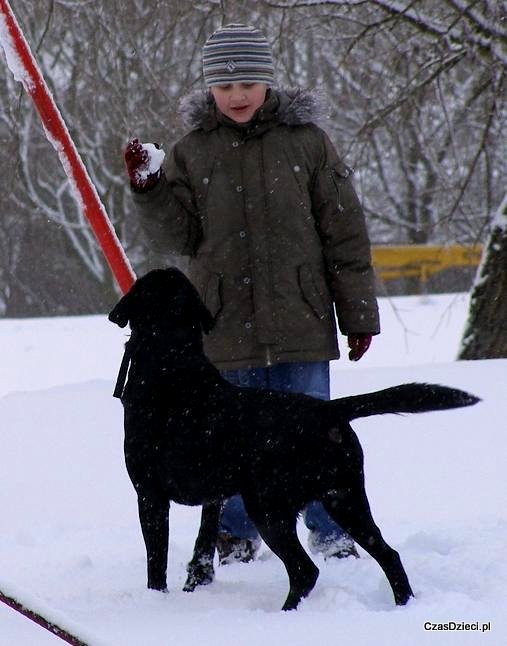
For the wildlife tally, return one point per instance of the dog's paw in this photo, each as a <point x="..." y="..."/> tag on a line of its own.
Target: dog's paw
<point x="159" y="587"/>
<point x="402" y="598"/>
<point x="202" y="574"/>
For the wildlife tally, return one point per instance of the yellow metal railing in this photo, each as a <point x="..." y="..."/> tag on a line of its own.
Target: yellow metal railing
<point x="421" y="261"/>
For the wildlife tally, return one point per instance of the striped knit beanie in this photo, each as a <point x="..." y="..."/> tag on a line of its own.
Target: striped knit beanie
<point x="237" y="54"/>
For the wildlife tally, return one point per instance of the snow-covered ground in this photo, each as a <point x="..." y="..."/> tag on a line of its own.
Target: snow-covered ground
<point x="70" y="543"/>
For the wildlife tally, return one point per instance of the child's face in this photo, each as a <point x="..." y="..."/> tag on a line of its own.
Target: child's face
<point x="239" y="101"/>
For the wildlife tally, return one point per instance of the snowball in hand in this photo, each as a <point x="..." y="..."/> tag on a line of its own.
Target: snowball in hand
<point x="155" y="158"/>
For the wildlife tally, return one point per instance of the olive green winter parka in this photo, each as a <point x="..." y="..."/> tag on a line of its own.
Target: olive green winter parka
<point x="274" y="230"/>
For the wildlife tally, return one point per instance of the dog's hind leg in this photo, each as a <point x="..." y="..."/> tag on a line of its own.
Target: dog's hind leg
<point x="154" y="518"/>
<point x="200" y="569"/>
<point x="278" y="531"/>
<point x="350" y="509"/>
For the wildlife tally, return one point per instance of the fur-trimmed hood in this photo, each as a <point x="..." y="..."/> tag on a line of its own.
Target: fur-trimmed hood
<point x="291" y="106"/>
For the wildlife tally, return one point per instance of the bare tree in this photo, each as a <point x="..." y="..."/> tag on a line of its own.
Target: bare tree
<point x="116" y="70"/>
<point x="485" y="335"/>
<point x="416" y="103"/>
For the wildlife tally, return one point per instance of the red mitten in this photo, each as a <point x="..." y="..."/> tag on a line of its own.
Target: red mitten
<point x="358" y="344"/>
<point x="137" y="161"/>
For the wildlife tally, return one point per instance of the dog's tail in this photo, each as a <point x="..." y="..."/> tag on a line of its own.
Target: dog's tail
<point x="407" y="398"/>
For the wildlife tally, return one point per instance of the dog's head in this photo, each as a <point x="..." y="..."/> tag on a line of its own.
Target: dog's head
<point x="163" y="299"/>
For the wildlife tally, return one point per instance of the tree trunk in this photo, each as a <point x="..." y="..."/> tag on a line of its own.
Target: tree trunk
<point x="485" y="335"/>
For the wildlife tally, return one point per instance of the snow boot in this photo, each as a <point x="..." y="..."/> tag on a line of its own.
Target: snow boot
<point x="339" y="547"/>
<point x="233" y="550"/>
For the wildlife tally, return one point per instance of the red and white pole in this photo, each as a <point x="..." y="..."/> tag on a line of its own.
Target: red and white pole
<point x="25" y="69"/>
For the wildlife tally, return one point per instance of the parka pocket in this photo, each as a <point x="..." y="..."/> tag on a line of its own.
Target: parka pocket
<point x="212" y="294"/>
<point x="314" y="291"/>
<point x="339" y="172"/>
<point x="209" y="285"/>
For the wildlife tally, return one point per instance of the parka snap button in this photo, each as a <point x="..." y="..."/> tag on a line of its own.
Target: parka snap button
<point x="246" y="280"/>
<point x="235" y="144"/>
<point x="205" y="180"/>
<point x="297" y="169"/>
<point x="248" y="325"/>
<point x="242" y="234"/>
<point x="239" y="189"/>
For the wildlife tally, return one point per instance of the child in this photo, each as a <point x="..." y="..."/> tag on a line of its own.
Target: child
<point x="258" y="199"/>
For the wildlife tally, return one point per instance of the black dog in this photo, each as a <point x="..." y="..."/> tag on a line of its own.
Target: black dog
<point x="193" y="438"/>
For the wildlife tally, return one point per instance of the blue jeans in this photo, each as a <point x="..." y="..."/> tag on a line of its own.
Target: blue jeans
<point x="311" y="379"/>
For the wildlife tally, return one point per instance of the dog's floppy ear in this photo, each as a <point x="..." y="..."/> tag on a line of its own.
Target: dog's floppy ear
<point x="121" y="312"/>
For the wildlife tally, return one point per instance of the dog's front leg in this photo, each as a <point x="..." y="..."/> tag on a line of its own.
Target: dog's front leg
<point x="154" y="517"/>
<point x="200" y="569"/>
